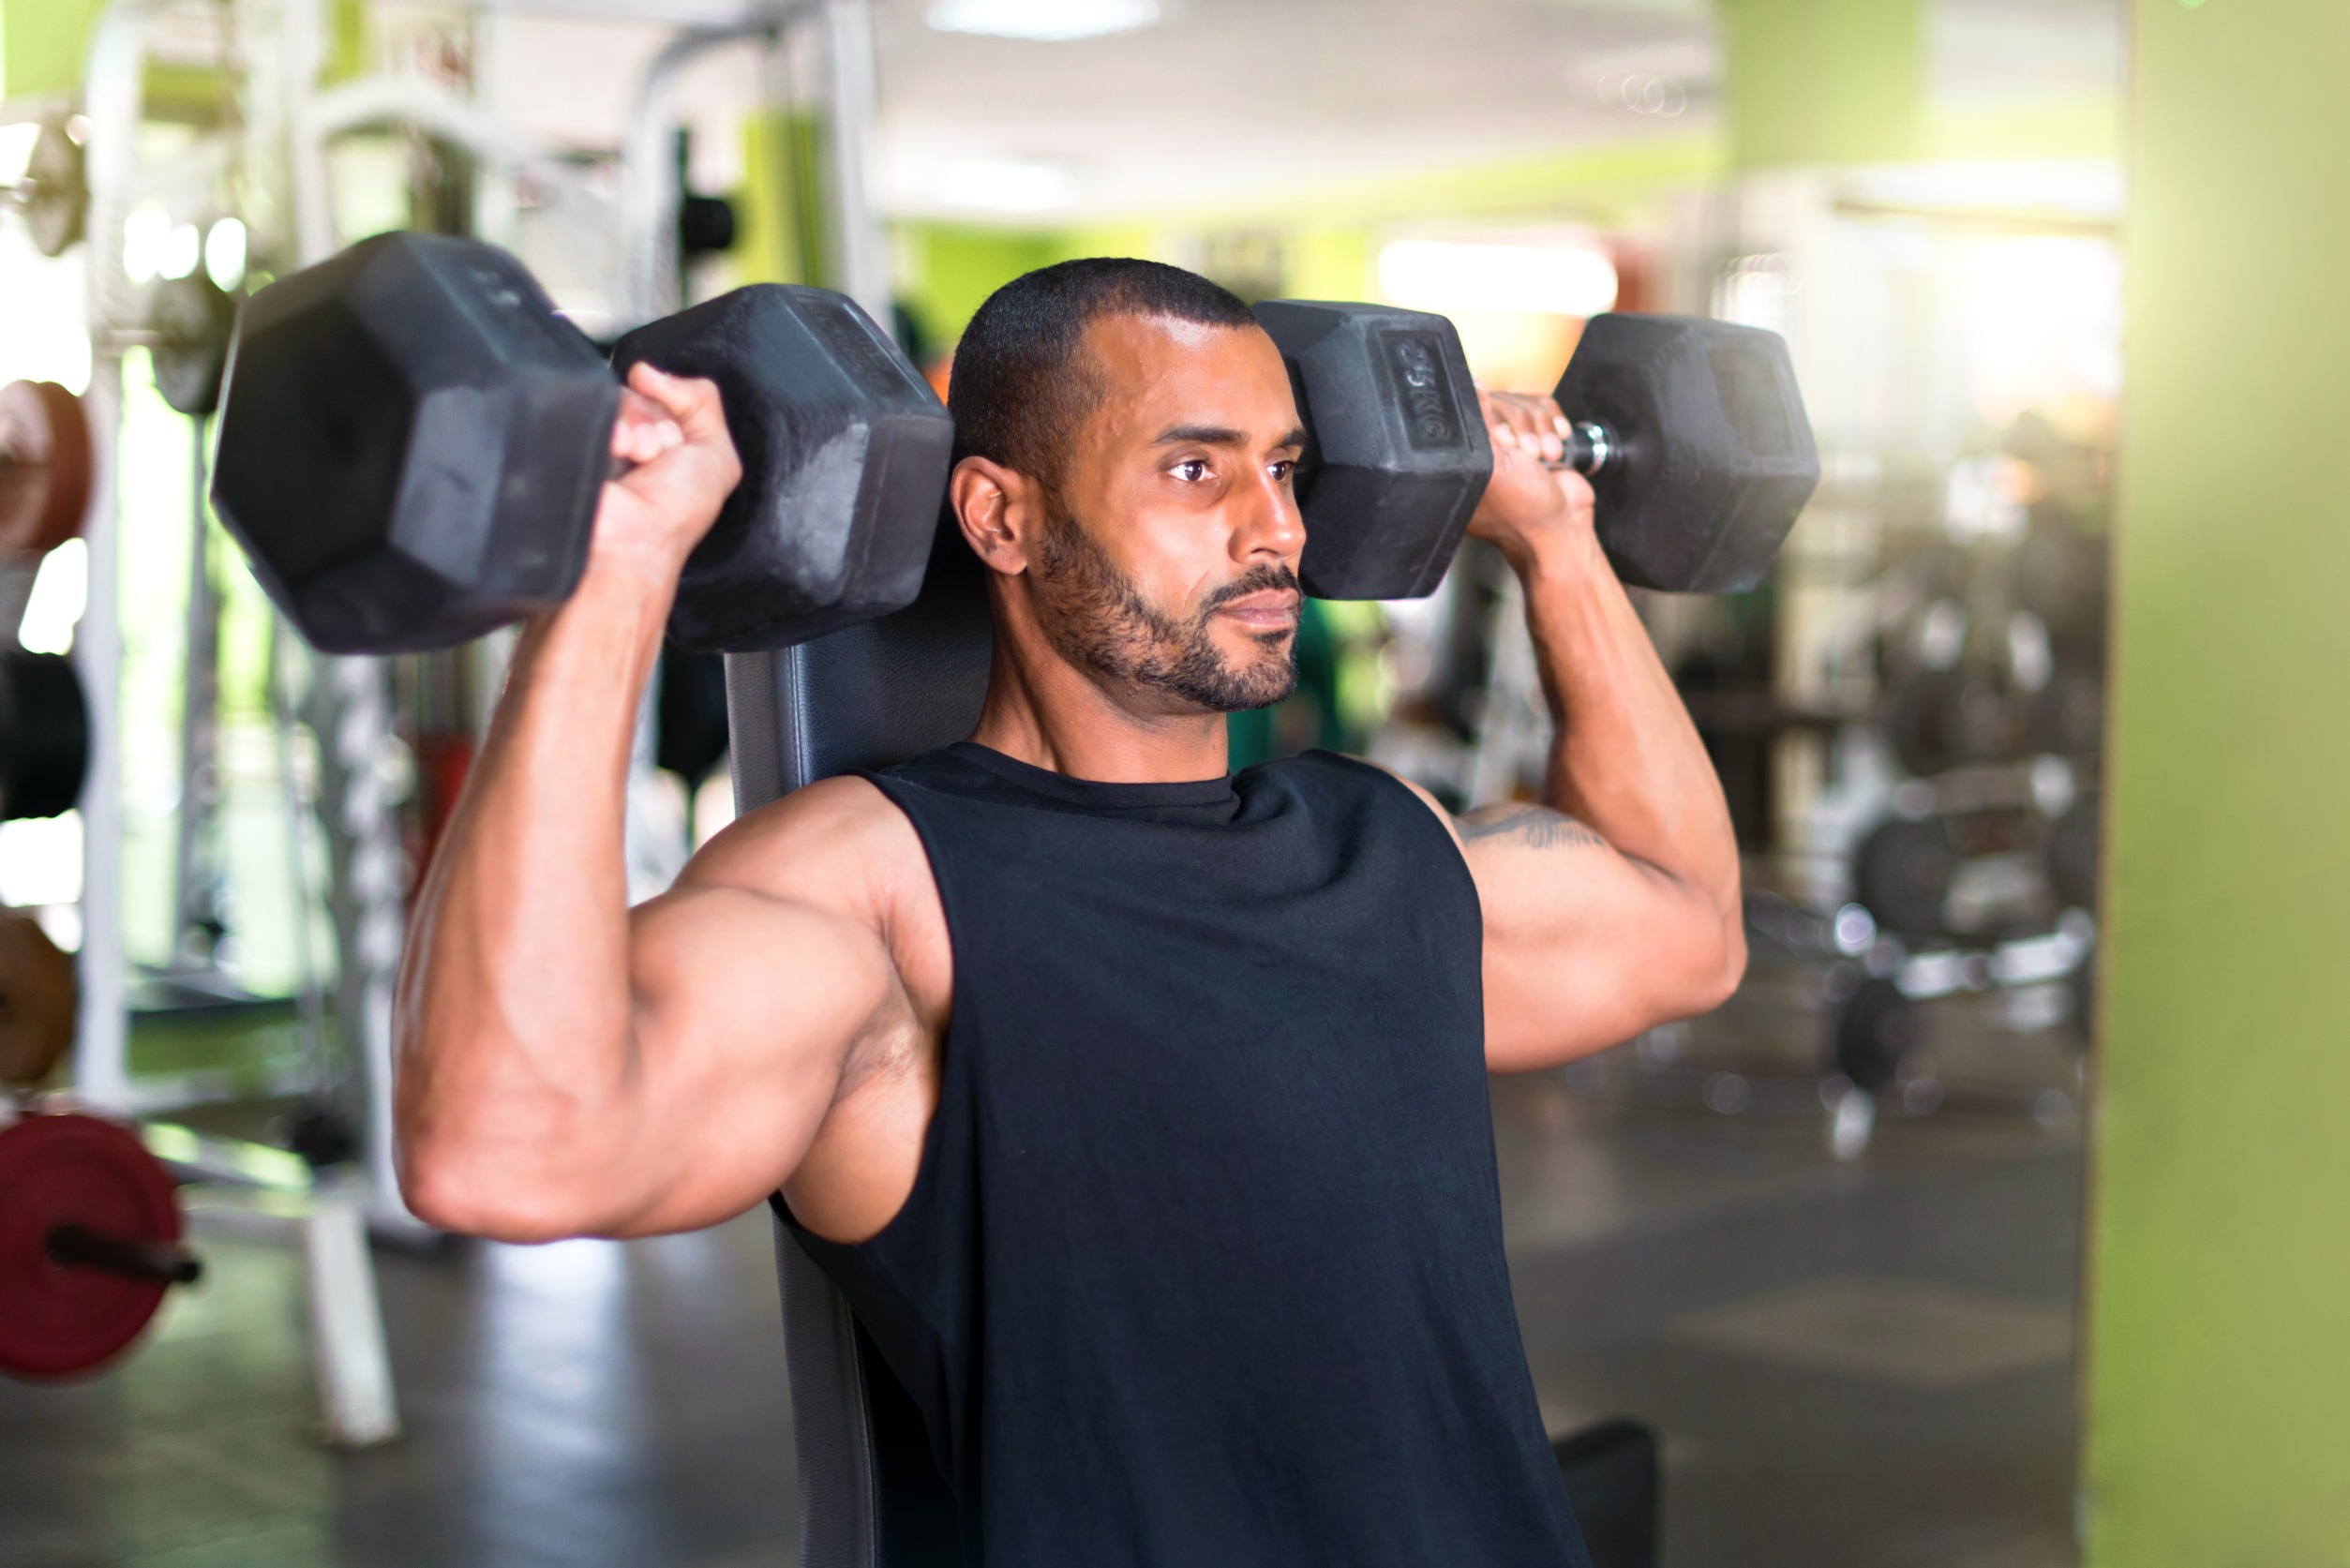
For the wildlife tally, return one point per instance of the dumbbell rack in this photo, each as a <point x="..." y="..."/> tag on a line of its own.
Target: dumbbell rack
<point x="275" y="145"/>
<point x="1773" y="1054"/>
<point x="277" y="139"/>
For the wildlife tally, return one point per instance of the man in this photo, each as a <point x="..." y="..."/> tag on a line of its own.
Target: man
<point x="1139" y="1110"/>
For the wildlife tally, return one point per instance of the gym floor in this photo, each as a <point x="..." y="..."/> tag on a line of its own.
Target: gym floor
<point x="1855" y="1364"/>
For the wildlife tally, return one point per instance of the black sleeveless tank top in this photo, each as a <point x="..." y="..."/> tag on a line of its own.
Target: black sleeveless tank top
<point x="1203" y="1262"/>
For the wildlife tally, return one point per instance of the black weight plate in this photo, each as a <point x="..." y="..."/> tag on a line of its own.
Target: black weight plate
<point x="1902" y="875"/>
<point x="44" y="734"/>
<point x="1986" y="724"/>
<point x="2083" y="982"/>
<point x="706" y="225"/>
<point x="1938" y="720"/>
<point x="1915" y="724"/>
<point x="194" y="319"/>
<point x="2070" y="855"/>
<point x="1874" y="1029"/>
<point x="2069" y="715"/>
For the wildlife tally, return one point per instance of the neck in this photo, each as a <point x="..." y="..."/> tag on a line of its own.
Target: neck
<point x="1044" y="711"/>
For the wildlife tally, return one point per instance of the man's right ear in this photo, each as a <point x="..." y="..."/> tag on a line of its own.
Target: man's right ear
<point x="998" y="509"/>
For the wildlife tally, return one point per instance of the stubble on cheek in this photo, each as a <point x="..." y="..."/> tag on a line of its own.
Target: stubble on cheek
<point x="1095" y="617"/>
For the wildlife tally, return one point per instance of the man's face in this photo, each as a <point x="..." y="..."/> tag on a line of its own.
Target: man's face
<point x="1168" y="563"/>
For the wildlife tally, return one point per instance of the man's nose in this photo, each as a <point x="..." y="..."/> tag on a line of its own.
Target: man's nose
<point x="1270" y="524"/>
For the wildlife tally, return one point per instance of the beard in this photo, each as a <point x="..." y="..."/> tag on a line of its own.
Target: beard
<point x="1096" y="618"/>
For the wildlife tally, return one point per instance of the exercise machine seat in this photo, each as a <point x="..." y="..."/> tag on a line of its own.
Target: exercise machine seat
<point x="866" y="696"/>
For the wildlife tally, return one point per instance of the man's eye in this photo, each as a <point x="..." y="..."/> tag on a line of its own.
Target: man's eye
<point x="1284" y="469"/>
<point x="1191" y="469"/>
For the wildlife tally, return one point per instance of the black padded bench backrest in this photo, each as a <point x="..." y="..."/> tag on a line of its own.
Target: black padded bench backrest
<point x="870" y="1497"/>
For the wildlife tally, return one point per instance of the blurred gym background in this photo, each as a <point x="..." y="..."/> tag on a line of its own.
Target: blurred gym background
<point x="1832" y="1242"/>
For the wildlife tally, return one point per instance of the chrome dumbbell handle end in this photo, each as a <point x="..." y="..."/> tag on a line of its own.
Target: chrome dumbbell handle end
<point x="1589" y="447"/>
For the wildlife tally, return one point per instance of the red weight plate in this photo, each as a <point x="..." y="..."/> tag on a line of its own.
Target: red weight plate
<point x="44" y="466"/>
<point x="66" y="1169"/>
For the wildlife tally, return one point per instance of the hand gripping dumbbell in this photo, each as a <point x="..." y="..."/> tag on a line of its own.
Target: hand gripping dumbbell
<point x="1692" y="433"/>
<point x="413" y="445"/>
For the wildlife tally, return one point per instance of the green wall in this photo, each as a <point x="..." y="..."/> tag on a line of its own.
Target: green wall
<point x="42" y="44"/>
<point x="2219" y="1346"/>
<point x="946" y="271"/>
<point x="779" y="214"/>
<point x="1825" y="80"/>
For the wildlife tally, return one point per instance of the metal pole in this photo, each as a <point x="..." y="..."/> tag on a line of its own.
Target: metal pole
<point x="357" y="1405"/>
<point x="859" y="254"/>
<point x="310" y="1001"/>
<point x="649" y="200"/>
<point x="303" y="49"/>
<point x="110" y="100"/>
<point x="350" y="699"/>
<point x="101" y="1074"/>
<point x="198" y="731"/>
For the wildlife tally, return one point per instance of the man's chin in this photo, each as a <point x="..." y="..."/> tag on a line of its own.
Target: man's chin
<point x="1258" y="687"/>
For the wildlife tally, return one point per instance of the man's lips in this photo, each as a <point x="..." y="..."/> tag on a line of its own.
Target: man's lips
<point x="1271" y="609"/>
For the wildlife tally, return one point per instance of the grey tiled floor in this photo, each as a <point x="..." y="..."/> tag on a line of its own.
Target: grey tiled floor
<point x="1854" y="1366"/>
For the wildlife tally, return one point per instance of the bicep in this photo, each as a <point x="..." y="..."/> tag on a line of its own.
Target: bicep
<point x="745" y="1010"/>
<point x="1584" y="946"/>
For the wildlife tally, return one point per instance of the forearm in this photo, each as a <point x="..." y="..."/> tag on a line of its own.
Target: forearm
<point x="1624" y="758"/>
<point x="515" y="1018"/>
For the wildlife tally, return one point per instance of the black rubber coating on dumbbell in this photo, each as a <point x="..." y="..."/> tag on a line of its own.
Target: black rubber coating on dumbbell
<point x="1714" y="455"/>
<point x="412" y="444"/>
<point x="845" y="453"/>
<point x="1396" y="456"/>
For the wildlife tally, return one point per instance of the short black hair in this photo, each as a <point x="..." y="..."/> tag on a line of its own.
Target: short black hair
<point x="1020" y="388"/>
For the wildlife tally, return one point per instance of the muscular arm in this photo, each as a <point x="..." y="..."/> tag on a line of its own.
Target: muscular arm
<point x="1613" y="905"/>
<point x="568" y="1066"/>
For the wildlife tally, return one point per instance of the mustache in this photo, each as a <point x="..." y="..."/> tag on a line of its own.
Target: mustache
<point x="1256" y="579"/>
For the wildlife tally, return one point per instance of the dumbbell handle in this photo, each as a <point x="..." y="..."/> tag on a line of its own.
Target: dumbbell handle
<point x="79" y="1247"/>
<point x="620" y="468"/>
<point x="1590" y="448"/>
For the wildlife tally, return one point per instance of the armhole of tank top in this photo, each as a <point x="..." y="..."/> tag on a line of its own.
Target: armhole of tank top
<point x="873" y="1250"/>
<point x="1454" y="854"/>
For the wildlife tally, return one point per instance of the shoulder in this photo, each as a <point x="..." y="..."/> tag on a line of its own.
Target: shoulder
<point x="1332" y="773"/>
<point x="838" y="844"/>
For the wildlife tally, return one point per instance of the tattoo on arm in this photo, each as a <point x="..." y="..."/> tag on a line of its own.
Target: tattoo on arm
<point x="1535" y="827"/>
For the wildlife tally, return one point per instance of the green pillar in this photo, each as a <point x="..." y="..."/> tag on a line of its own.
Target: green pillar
<point x="1825" y="80"/>
<point x="2218" y="1354"/>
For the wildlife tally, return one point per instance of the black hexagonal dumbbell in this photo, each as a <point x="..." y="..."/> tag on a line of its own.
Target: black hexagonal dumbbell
<point x="1693" y="434"/>
<point x="1396" y="451"/>
<point x="413" y="443"/>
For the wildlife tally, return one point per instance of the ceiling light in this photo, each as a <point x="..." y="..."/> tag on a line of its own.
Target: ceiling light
<point x="1007" y="185"/>
<point x="1044" y="20"/>
<point x="1443" y="276"/>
